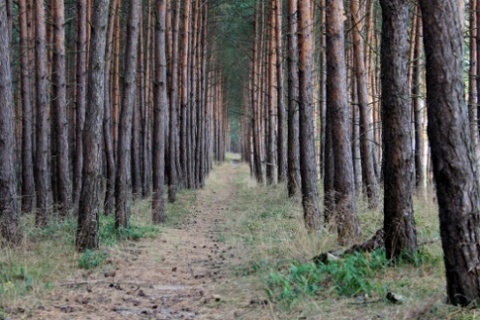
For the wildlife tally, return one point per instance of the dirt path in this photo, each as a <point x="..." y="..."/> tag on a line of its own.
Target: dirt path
<point x="175" y="276"/>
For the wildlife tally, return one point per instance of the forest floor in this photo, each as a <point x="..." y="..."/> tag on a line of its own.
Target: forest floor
<point x="236" y="250"/>
<point x="176" y="275"/>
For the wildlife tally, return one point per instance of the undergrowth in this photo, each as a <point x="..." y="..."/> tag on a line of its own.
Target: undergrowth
<point x="354" y="275"/>
<point x="277" y="265"/>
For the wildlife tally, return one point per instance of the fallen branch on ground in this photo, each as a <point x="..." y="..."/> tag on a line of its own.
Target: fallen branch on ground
<point x="372" y="244"/>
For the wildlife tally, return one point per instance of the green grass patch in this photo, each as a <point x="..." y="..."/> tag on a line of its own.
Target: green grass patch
<point x="356" y="274"/>
<point x="91" y="259"/>
<point x="110" y="236"/>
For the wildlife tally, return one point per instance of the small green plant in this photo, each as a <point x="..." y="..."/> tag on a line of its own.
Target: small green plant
<point x="110" y="236"/>
<point x="91" y="259"/>
<point x="64" y="229"/>
<point x="350" y="276"/>
<point x="15" y="278"/>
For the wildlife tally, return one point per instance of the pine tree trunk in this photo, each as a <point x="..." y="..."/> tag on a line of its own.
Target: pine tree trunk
<point x="136" y="120"/>
<point x="109" y="203"/>
<point x="294" y="178"/>
<point x="81" y="95"/>
<point x="59" y="97"/>
<point x="453" y="158"/>
<point x="344" y="184"/>
<point x="418" y="106"/>
<point x="123" y="177"/>
<point x="311" y="208"/>
<point x="472" y="74"/>
<point x="28" y="179"/>
<point x="272" y="170"/>
<point x="9" y="209"/>
<point x="398" y="180"/>
<point x="42" y="175"/>
<point x="173" y="130"/>
<point x="92" y="183"/>
<point x="160" y="108"/>
<point x="282" y="117"/>
<point x="368" y="171"/>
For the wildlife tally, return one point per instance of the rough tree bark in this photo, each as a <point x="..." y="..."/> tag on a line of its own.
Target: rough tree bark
<point x="454" y="165"/>
<point x="311" y="208"/>
<point x="9" y="209"/>
<point x="418" y="106"/>
<point x="173" y="130"/>
<point x="345" y="203"/>
<point x="123" y="176"/>
<point x="92" y="182"/>
<point x="42" y="176"/>
<point x="366" y="137"/>
<point x="109" y="203"/>
<point x="81" y="96"/>
<point x="294" y="179"/>
<point x="160" y="108"/>
<point x="272" y="170"/>
<point x="59" y="97"/>
<point x="28" y="179"/>
<point x="398" y="170"/>
<point x="184" y="85"/>
<point x="282" y="118"/>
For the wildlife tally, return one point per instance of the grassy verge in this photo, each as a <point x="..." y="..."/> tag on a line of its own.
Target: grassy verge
<point x="275" y="267"/>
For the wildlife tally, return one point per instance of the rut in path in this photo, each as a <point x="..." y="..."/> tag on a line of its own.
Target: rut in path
<point x="174" y="276"/>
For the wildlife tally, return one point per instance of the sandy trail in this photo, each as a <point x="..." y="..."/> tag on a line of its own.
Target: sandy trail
<point x="174" y="276"/>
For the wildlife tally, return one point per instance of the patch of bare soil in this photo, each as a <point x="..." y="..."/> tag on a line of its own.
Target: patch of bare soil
<point x="174" y="276"/>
